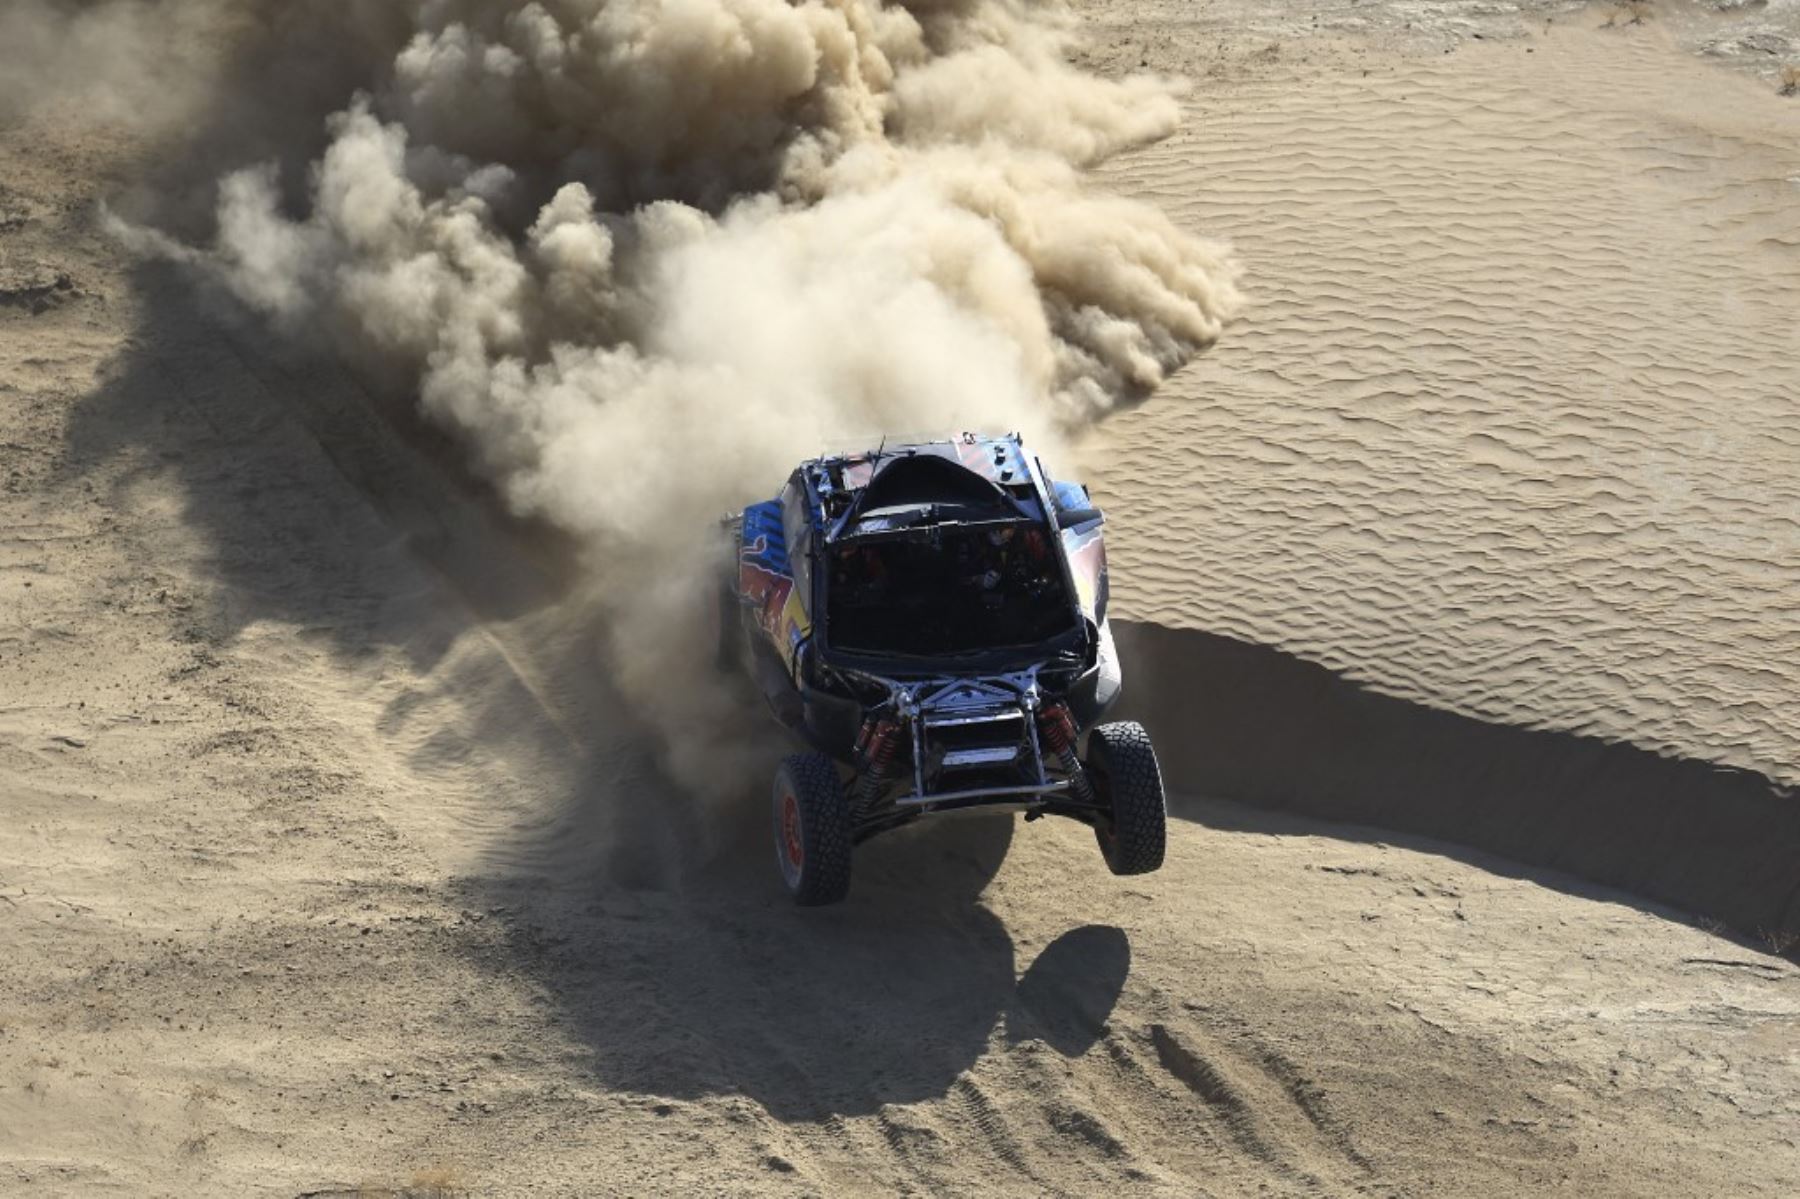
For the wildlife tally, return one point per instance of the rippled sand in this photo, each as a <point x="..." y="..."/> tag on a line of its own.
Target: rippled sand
<point x="334" y="865"/>
<point x="1514" y="427"/>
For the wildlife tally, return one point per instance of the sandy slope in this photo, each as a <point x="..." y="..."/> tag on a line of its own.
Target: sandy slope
<point x="1513" y="427"/>
<point x="330" y="862"/>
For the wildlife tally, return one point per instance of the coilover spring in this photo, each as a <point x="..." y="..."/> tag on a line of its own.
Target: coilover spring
<point x="878" y="741"/>
<point x="879" y="751"/>
<point x="1056" y="726"/>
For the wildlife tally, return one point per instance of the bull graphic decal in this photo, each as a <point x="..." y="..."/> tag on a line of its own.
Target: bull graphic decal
<point x="767" y="590"/>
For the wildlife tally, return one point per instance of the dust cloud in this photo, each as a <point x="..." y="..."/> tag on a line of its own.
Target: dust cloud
<point x="642" y="256"/>
<point x="114" y="59"/>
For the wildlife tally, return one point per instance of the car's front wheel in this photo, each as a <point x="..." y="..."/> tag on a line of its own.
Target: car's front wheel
<point x="1128" y="782"/>
<point x="812" y="829"/>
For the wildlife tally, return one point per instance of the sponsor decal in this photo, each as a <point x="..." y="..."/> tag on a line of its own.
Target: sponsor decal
<point x="1086" y="551"/>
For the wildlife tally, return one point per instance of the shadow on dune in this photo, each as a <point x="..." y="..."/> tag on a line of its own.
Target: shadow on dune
<point x="317" y="505"/>
<point x="262" y="433"/>
<point x="1066" y="995"/>
<point x="314" y="497"/>
<point x="726" y="989"/>
<point x="1253" y="724"/>
<point x="681" y="974"/>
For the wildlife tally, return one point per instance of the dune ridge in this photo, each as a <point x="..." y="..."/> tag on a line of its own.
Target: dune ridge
<point x="1512" y="428"/>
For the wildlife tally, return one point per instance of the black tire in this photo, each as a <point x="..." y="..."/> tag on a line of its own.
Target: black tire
<point x="1128" y="781"/>
<point x="812" y="830"/>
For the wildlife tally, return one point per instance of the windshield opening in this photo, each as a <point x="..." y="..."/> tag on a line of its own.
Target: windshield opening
<point x="955" y="591"/>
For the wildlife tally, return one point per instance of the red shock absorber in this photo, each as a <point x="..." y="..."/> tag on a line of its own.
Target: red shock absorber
<point x="878" y="740"/>
<point x="1056" y="728"/>
<point x="876" y="744"/>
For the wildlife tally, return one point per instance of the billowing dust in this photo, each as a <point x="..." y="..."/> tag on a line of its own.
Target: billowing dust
<point x="644" y="255"/>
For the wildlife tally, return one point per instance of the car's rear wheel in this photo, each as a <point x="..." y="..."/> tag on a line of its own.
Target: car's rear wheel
<point x="812" y="830"/>
<point x="1128" y="782"/>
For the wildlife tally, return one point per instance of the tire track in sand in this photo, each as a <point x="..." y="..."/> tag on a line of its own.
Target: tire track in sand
<point x="1266" y="1110"/>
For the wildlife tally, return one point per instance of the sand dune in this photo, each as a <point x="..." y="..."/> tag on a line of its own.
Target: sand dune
<point x="335" y="865"/>
<point x="1513" y="425"/>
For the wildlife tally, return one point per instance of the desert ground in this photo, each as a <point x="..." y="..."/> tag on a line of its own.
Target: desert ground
<point x="334" y="861"/>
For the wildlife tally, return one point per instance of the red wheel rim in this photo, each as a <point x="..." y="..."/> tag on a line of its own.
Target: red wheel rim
<point x="790" y="831"/>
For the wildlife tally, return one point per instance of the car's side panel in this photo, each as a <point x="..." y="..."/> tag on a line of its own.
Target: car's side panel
<point x="1085" y="548"/>
<point x="766" y="581"/>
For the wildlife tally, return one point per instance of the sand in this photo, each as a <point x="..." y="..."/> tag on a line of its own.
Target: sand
<point x="312" y="886"/>
<point x="1512" y="426"/>
<point x="1510" y="433"/>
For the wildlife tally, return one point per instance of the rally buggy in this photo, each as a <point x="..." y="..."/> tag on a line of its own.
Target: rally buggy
<point x="931" y="620"/>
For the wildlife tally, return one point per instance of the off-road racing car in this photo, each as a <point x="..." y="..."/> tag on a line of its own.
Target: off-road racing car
<point x="931" y="620"/>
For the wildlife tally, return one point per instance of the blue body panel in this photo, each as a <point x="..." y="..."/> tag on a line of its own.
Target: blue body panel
<point x="765" y="542"/>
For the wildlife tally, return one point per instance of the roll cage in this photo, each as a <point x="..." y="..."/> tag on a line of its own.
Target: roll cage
<point x="918" y="495"/>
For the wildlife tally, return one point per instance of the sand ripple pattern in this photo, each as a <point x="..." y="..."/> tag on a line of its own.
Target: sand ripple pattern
<point x="1514" y="426"/>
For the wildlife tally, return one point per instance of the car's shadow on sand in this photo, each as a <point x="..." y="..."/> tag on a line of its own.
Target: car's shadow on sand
<point x="723" y="987"/>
